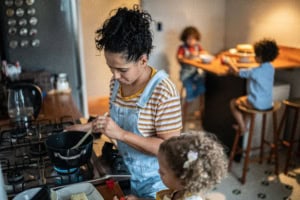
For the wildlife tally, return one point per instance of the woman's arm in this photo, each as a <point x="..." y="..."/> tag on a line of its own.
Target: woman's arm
<point x="148" y="145"/>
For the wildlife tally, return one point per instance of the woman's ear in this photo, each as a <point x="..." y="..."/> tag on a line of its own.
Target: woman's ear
<point x="143" y="60"/>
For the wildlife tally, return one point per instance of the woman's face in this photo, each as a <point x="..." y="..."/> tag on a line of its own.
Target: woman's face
<point x="125" y="72"/>
<point x="167" y="175"/>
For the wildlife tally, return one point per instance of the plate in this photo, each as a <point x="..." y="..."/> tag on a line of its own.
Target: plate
<point x="90" y="191"/>
<point x="30" y="193"/>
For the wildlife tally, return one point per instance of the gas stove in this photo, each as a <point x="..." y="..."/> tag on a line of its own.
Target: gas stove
<point x="25" y="162"/>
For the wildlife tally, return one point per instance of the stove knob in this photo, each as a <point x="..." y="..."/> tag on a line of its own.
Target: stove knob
<point x="35" y="43"/>
<point x="12" y="31"/>
<point x="13" y="44"/>
<point x="19" y="3"/>
<point x="33" y="21"/>
<point x="23" y="22"/>
<point x="31" y="11"/>
<point x="24" y="43"/>
<point x="10" y="12"/>
<point x="29" y="2"/>
<point x="23" y="31"/>
<point x="33" y="32"/>
<point x="9" y="3"/>
<point x="20" y="12"/>
<point x="11" y="22"/>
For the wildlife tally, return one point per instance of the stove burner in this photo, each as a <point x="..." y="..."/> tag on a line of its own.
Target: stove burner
<point x="65" y="171"/>
<point x="38" y="149"/>
<point x="67" y="176"/>
<point x="18" y="133"/>
<point x="15" y="176"/>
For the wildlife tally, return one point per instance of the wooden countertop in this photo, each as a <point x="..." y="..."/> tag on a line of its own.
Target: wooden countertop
<point x="288" y="58"/>
<point x="57" y="105"/>
<point x="54" y="107"/>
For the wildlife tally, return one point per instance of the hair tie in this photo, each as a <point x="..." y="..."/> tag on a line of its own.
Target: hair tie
<point x="191" y="156"/>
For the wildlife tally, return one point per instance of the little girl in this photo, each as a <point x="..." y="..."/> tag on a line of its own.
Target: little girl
<point x="190" y="165"/>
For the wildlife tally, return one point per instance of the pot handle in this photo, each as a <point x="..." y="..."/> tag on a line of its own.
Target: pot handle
<point x="58" y="155"/>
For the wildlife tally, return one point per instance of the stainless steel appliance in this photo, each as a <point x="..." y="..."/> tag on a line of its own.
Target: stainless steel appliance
<point x="26" y="163"/>
<point x="43" y="35"/>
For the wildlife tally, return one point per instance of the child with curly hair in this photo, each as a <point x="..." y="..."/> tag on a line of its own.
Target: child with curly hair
<point x="260" y="82"/>
<point x="190" y="165"/>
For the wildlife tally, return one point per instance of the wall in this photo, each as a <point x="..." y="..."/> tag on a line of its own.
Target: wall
<point x="93" y="13"/>
<point x="249" y="21"/>
<point x="175" y="15"/>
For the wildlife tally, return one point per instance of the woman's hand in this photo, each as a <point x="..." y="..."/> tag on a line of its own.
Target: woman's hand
<point x="108" y="127"/>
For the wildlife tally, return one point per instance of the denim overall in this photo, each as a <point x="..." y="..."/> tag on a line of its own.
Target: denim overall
<point x="145" y="179"/>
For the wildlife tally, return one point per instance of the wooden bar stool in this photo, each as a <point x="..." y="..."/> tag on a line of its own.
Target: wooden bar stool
<point x="274" y="151"/>
<point x="290" y="105"/>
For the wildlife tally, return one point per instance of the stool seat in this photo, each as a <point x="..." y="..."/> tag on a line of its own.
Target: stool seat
<point x="274" y="150"/>
<point x="276" y="106"/>
<point x="295" y="103"/>
<point x="290" y="105"/>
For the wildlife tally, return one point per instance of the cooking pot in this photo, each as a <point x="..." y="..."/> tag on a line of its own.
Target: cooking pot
<point x="60" y="152"/>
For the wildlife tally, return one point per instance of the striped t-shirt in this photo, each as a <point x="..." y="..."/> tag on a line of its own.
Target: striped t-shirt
<point x="162" y="113"/>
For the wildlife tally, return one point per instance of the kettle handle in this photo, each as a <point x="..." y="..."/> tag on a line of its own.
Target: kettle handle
<point x="37" y="95"/>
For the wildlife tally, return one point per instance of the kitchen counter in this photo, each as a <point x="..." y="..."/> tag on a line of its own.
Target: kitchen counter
<point x="57" y="105"/>
<point x="288" y="58"/>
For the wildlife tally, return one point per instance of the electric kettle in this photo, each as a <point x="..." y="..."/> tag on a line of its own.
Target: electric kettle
<point x="24" y="101"/>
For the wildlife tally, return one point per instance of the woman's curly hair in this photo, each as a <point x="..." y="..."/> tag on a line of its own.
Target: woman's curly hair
<point x="127" y="32"/>
<point x="266" y="49"/>
<point x="190" y="31"/>
<point x="208" y="168"/>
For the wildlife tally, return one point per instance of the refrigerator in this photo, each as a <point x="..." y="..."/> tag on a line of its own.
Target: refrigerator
<point x="44" y="35"/>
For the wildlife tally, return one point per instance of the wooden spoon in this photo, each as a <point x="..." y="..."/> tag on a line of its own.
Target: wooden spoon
<point x="82" y="139"/>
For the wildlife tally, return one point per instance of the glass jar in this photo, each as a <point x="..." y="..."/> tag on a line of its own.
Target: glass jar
<point x="62" y="83"/>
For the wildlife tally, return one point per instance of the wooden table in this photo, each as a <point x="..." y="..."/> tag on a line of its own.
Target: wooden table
<point x="288" y="58"/>
<point x="221" y="87"/>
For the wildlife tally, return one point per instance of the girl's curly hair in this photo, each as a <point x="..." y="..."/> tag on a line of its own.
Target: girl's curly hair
<point x="266" y="49"/>
<point x="127" y="32"/>
<point x="206" y="170"/>
<point x="190" y="31"/>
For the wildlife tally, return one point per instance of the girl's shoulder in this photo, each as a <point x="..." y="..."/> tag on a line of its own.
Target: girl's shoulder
<point x="192" y="197"/>
<point x="164" y="194"/>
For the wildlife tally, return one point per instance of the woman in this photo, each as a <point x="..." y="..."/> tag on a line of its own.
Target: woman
<point x="144" y="103"/>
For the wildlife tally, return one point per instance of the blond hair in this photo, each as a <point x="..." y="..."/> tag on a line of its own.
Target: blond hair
<point x="197" y="159"/>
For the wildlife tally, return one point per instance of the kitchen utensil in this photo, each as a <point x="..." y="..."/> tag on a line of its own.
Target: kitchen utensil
<point x="60" y="152"/>
<point x="24" y="101"/>
<point x="82" y="139"/>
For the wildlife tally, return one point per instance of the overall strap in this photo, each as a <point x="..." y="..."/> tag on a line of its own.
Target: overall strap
<point x="147" y="93"/>
<point x="115" y="91"/>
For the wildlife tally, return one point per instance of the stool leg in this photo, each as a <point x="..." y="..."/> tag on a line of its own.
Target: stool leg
<point x="246" y="162"/>
<point x="284" y="116"/>
<point x="274" y="147"/>
<point x="291" y="142"/>
<point x="262" y="140"/>
<point x="234" y="148"/>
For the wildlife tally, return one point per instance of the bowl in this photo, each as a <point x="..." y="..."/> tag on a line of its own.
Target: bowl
<point x="206" y="58"/>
